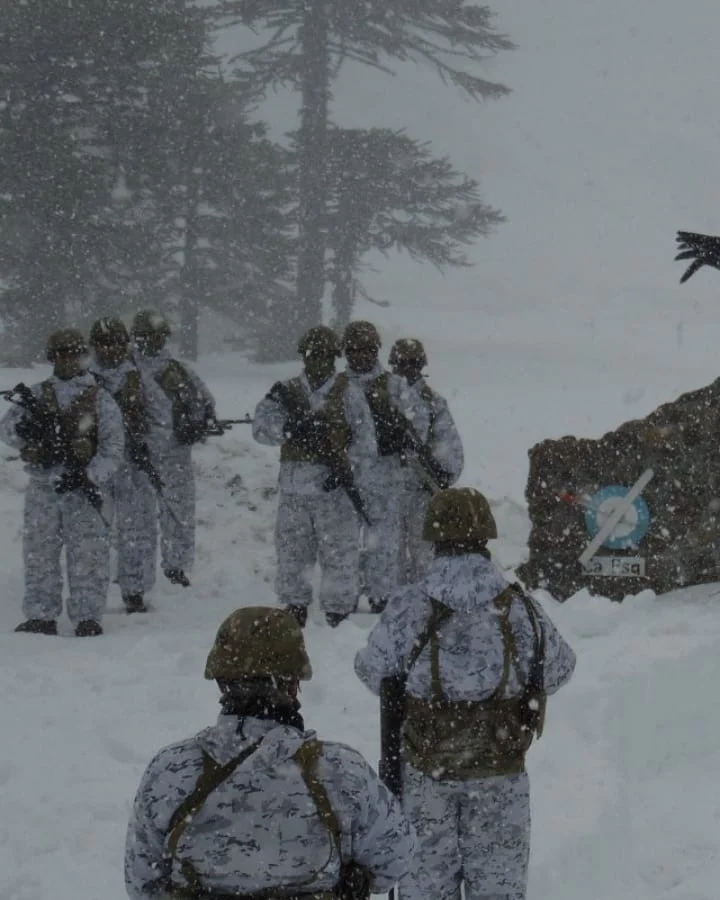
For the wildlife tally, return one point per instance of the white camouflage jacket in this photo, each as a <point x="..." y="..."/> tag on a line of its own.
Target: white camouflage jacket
<point x="260" y="828"/>
<point x="111" y="432"/>
<point x="471" y="645"/>
<point x="159" y="405"/>
<point x="439" y="432"/>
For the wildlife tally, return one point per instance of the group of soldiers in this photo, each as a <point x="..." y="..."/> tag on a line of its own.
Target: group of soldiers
<point x="259" y="808"/>
<point x="361" y="453"/>
<point x="109" y="434"/>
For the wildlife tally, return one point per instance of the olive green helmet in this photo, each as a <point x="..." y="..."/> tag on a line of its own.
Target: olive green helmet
<point x="462" y="515"/>
<point x="109" y="331"/>
<point x="407" y="351"/>
<point x="150" y="322"/>
<point x="319" y="341"/>
<point x="67" y="341"/>
<point x="258" y="642"/>
<point x="360" y="335"/>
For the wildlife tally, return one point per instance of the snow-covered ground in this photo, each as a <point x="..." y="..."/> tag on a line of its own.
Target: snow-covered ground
<point x="572" y="322"/>
<point x="623" y="780"/>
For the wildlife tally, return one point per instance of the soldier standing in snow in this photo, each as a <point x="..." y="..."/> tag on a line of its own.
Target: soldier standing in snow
<point x="180" y="411"/>
<point x="133" y="494"/>
<point x="408" y="358"/>
<point x="376" y="452"/>
<point x="70" y="435"/>
<point x="255" y="806"/>
<point x="475" y="659"/>
<point x="315" y="518"/>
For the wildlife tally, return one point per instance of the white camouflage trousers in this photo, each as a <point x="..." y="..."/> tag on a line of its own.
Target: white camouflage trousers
<point x="52" y="521"/>
<point x="470" y="833"/>
<point x="136" y="524"/>
<point x="176" y="507"/>
<point x="319" y="528"/>
<point x="380" y="490"/>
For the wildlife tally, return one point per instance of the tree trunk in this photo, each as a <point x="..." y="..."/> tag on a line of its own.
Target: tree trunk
<point x="343" y="297"/>
<point x="189" y="289"/>
<point x="312" y="152"/>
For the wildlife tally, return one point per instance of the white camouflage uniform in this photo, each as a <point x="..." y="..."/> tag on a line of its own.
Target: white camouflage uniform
<point x="52" y="520"/>
<point x="445" y="444"/>
<point x="475" y="832"/>
<point x="134" y="504"/>
<point x="173" y="463"/>
<point x="312" y="524"/>
<point x="380" y="479"/>
<point x="260" y="829"/>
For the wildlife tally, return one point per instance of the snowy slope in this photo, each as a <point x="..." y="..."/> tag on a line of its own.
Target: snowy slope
<point x="623" y="795"/>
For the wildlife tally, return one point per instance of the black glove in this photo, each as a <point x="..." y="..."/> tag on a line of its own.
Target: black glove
<point x="281" y="394"/>
<point x="340" y="477"/>
<point x="703" y="249"/>
<point x="70" y="480"/>
<point x="29" y="429"/>
<point x="139" y="454"/>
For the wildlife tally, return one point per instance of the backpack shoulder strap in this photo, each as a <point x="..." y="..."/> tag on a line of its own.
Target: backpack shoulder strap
<point x="212" y="776"/>
<point x="439" y="614"/>
<point x="307" y="758"/>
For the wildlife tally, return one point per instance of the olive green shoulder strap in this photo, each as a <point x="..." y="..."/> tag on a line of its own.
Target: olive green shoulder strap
<point x="307" y="758"/>
<point x="212" y="776"/>
<point x="438" y="615"/>
<point x="172" y="378"/>
<point x="535" y="679"/>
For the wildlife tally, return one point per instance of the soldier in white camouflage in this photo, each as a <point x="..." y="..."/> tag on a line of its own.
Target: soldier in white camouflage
<point x="132" y="490"/>
<point x="316" y="521"/>
<point x="255" y="806"/>
<point x="70" y="435"/>
<point x="474" y="659"/>
<point x="378" y="454"/>
<point x="181" y="409"/>
<point x="408" y="359"/>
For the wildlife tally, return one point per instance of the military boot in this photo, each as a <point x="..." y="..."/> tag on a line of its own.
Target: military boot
<point x="38" y="626"/>
<point x="134" y="603"/>
<point x="334" y="619"/>
<point x="300" y="613"/>
<point x="177" y="576"/>
<point x="88" y="628"/>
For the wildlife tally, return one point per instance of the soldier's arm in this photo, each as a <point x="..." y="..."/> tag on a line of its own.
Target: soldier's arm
<point x="111" y="440"/>
<point x="559" y="656"/>
<point x="145" y="841"/>
<point x="382" y="841"/>
<point x="390" y="641"/>
<point x="268" y="426"/>
<point x="446" y="445"/>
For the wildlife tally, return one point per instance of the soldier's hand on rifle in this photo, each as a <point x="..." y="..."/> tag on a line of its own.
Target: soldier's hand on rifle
<point x="70" y="480"/>
<point x="29" y="429"/>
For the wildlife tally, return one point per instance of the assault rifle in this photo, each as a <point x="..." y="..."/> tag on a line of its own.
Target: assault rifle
<point x="218" y="427"/>
<point x="340" y="470"/>
<point x="397" y="432"/>
<point x="46" y="430"/>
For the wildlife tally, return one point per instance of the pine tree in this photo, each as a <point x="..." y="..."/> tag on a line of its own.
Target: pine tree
<point x="309" y="39"/>
<point x="386" y="191"/>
